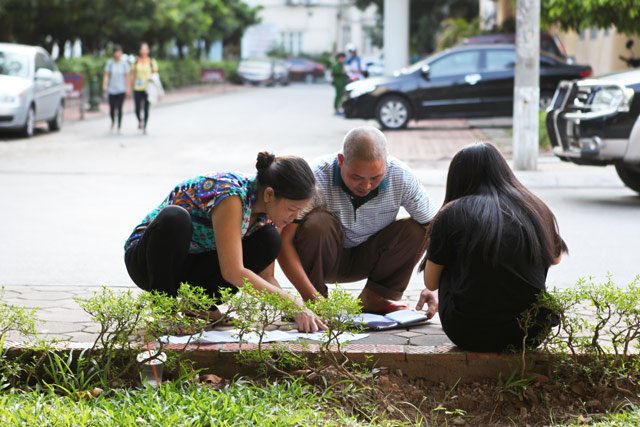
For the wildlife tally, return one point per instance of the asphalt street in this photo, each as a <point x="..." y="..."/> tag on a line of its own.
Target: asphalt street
<point x="70" y="199"/>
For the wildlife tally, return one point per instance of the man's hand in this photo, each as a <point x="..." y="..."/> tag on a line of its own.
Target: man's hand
<point x="307" y="321"/>
<point x="431" y="299"/>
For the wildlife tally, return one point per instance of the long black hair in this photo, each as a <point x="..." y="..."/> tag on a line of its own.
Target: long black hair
<point x="289" y="176"/>
<point x="483" y="190"/>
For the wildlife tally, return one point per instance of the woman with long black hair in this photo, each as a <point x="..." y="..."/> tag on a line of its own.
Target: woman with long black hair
<point x="490" y="247"/>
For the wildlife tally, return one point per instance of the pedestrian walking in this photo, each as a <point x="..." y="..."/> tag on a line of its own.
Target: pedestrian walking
<point x="217" y="230"/>
<point x="490" y="247"/>
<point x="339" y="75"/>
<point x="116" y="85"/>
<point x="352" y="231"/>
<point x="141" y="71"/>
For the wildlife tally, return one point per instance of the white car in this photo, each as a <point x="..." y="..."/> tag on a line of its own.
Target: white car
<point x="31" y="89"/>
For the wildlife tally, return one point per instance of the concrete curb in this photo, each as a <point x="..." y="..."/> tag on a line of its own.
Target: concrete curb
<point x="444" y="364"/>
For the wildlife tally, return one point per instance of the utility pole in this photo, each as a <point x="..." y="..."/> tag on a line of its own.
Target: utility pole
<point x="526" y="91"/>
<point x="395" y="35"/>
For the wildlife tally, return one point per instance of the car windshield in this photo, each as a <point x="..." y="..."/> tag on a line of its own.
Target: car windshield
<point x="417" y="66"/>
<point x="14" y="64"/>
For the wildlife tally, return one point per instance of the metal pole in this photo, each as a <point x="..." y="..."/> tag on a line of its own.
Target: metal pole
<point x="526" y="92"/>
<point x="396" y="35"/>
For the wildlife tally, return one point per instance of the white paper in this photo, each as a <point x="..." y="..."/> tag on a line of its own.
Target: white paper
<point x="406" y="316"/>
<point x="321" y="336"/>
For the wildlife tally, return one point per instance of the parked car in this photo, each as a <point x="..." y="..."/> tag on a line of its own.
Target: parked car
<point x="267" y="71"/>
<point x="597" y="122"/>
<point x="465" y="81"/>
<point x="306" y="70"/>
<point x="374" y="65"/>
<point x="31" y="89"/>
<point x="549" y="43"/>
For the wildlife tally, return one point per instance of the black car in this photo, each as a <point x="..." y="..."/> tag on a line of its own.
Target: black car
<point x="466" y="81"/>
<point x="596" y="122"/>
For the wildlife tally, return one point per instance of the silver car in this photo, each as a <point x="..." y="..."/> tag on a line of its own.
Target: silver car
<point x="31" y="89"/>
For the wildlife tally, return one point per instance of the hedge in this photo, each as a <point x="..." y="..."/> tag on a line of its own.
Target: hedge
<point x="173" y="73"/>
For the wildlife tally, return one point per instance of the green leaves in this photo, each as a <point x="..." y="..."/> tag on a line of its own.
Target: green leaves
<point x="581" y="14"/>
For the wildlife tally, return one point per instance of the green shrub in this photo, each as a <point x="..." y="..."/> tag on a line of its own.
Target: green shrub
<point x="543" y="136"/>
<point x="173" y="73"/>
<point x="87" y="65"/>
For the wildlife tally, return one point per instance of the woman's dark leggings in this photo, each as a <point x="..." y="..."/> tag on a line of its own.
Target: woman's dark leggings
<point x="115" y="107"/>
<point x="139" y="98"/>
<point x="160" y="259"/>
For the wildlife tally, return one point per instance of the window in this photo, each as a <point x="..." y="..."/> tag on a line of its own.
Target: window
<point x="500" y="60"/>
<point x="456" y="63"/>
<point x="593" y="32"/>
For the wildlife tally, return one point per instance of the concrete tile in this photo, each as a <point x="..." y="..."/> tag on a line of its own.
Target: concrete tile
<point x="62" y="315"/>
<point x="48" y="295"/>
<point x="383" y="338"/>
<point x="430" y="340"/>
<point x="408" y="334"/>
<point x="60" y="328"/>
<point x="81" y="337"/>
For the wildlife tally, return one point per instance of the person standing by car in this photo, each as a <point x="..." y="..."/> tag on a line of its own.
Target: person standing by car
<point x="339" y="75"/>
<point x="355" y="70"/>
<point x="116" y="84"/>
<point x="490" y="247"/>
<point x="217" y="230"/>
<point x="142" y="70"/>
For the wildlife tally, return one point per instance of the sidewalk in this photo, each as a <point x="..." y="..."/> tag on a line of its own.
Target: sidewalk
<point x="420" y="351"/>
<point x="72" y="110"/>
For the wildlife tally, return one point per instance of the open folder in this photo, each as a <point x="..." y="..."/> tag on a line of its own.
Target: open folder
<point x="395" y="319"/>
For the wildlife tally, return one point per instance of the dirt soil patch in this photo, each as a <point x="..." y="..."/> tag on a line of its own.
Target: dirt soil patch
<point x="536" y="402"/>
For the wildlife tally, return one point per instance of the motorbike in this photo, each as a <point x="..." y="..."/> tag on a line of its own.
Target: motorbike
<point x="631" y="61"/>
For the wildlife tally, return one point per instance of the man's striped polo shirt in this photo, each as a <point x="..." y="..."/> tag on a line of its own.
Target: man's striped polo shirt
<point x="399" y="188"/>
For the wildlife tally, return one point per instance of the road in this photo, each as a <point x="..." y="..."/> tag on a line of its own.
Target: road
<point x="70" y="199"/>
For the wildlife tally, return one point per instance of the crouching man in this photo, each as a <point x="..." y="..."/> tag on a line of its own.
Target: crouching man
<point x="351" y="233"/>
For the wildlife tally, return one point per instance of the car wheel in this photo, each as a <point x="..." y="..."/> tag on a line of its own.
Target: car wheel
<point x="630" y="175"/>
<point x="545" y="100"/>
<point x="56" y="122"/>
<point x="30" y="123"/>
<point x="393" y="112"/>
<point x="309" y="78"/>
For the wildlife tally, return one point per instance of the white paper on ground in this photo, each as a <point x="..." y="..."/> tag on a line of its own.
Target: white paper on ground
<point x="321" y="336"/>
<point x="231" y="336"/>
<point x="406" y="316"/>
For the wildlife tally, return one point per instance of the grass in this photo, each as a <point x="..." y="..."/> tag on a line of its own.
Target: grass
<point x="286" y="403"/>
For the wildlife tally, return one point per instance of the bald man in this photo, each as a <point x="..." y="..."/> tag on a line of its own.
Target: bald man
<point x="352" y="233"/>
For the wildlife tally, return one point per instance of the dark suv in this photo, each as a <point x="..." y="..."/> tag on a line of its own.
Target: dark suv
<point x="596" y="122"/>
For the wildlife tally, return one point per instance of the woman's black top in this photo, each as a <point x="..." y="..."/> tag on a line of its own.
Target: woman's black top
<point x="479" y="302"/>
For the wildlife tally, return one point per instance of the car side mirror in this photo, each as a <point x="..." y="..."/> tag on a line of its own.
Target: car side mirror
<point x="425" y="70"/>
<point x="44" y="74"/>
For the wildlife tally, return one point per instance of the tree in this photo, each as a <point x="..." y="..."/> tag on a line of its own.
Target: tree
<point x="426" y="18"/>
<point x="96" y="23"/>
<point x="580" y="14"/>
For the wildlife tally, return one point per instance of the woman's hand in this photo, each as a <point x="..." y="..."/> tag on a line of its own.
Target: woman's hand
<point x="431" y="299"/>
<point x="307" y="321"/>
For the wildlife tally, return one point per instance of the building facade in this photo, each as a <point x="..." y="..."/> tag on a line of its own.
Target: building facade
<point x="311" y="27"/>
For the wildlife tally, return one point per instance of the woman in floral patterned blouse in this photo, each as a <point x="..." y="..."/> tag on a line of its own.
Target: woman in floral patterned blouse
<point x="216" y="230"/>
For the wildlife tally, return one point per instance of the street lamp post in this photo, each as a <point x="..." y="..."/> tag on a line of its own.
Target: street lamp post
<point x="526" y="91"/>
